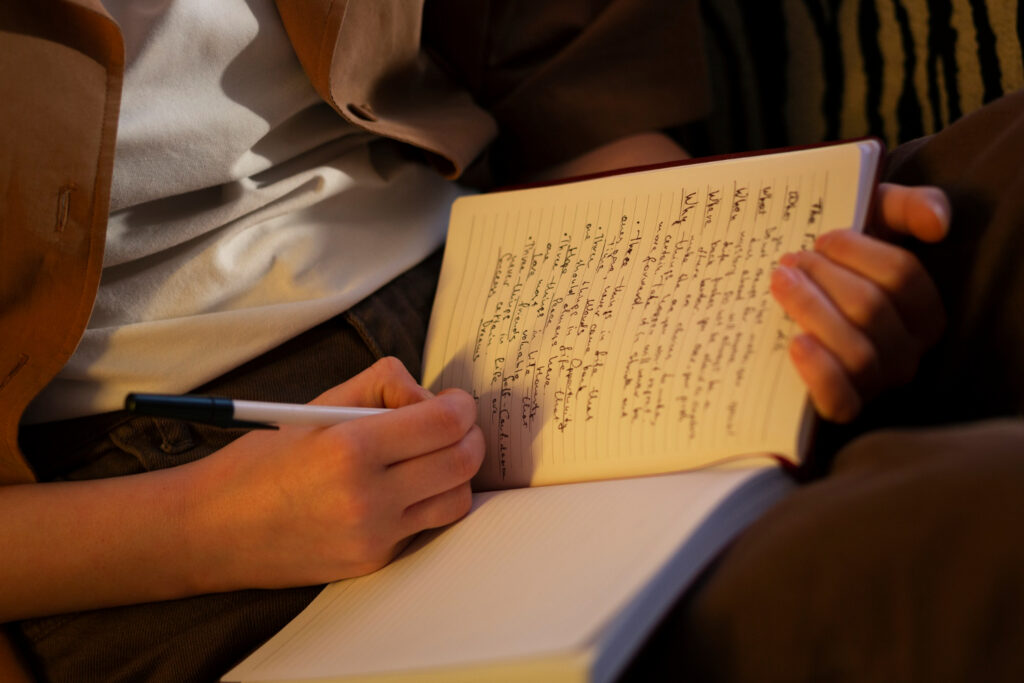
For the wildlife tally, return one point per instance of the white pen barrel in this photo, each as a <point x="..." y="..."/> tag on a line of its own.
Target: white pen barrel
<point x="278" y="413"/>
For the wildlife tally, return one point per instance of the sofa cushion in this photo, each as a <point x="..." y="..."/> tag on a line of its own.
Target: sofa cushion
<point x="800" y="71"/>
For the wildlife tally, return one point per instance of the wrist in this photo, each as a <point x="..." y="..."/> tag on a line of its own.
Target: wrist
<point x="212" y="528"/>
<point x="72" y="546"/>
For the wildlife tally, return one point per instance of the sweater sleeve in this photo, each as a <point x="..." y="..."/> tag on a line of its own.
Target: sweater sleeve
<point x="564" y="76"/>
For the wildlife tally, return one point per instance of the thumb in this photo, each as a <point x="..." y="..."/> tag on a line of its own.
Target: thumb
<point x="385" y="384"/>
<point x="922" y="212"/>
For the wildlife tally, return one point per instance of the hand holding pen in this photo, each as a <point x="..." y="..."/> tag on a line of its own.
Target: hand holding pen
<point x="305" y="505"/>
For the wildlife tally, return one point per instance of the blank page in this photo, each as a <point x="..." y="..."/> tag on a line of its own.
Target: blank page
<point x="529" y="576"/>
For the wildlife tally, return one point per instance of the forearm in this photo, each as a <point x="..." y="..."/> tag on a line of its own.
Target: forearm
<point x="641" y="149"/>
<point x="78" y="545"/>
<point x="562" y="78"/>
<point x="272" y="509"/>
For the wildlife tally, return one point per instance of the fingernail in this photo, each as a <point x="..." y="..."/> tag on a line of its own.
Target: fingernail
<point x="788" y="259"/>
<point x="941" y="211"/>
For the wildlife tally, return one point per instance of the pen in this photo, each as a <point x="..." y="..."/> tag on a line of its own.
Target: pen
<point x="226" y="412"/>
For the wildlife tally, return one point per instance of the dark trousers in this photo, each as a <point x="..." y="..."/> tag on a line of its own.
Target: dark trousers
<point x="905" y="561"/>
<point x="901" y="561"/>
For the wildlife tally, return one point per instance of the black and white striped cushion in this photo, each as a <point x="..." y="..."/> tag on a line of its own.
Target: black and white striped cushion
<point x="799" y="71"/>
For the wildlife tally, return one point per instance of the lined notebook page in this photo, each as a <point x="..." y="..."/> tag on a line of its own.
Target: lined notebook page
<point x="523" y="586"/>
<point x="624" y="325"/>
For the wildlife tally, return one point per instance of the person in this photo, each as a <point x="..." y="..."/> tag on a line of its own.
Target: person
<point x="276" y="179"/>
<point x="302" y="506"/>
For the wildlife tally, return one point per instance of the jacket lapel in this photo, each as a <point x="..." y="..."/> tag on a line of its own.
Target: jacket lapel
<point x="364" y="59"/>
<point x="58" y="121"/>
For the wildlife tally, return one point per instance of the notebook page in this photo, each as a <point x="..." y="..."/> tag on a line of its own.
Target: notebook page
<point x="624" y="325"/>
<point x="529" y="574"/>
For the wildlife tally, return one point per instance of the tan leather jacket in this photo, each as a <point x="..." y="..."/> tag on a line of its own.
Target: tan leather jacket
<point x="61" y="68"/>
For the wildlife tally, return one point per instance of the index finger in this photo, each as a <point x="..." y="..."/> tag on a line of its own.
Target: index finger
<point x="894" y="270"/>
<point x="412" y="430"/>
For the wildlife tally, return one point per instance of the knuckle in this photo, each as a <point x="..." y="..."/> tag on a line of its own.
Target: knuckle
<point x="834" y="243"/>
<point x="467" y="456"/>
<point x="831" y="391"/>
<point x="865" y="306"/>
<point x="904" y="269"/>
<point x="357" y="509"/>
<point x="455" y="412"/>
<point x="477" y="443"/>
<point x="808" y="263"/>
<point x="464" y="462"/>
<point x="460" y="500"/>
<point x="448" y="507"/>
<point x="343" y="444"/>
<point x="463" y="501"/>
<point x="861" y="360"/>
<point x="800" y="297"/>
<point x="811" y="261"/>
<point x="449" y="419"/>
<point x="390" y="366"/>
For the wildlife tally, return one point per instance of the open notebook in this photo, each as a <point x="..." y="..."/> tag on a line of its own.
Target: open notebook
<point x="610" y="329"/>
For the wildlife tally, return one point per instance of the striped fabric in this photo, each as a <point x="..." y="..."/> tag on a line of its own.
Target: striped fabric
<point x="800" y="71"/>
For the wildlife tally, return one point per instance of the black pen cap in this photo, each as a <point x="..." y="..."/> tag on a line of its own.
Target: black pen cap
<point x="208" y="409"/>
